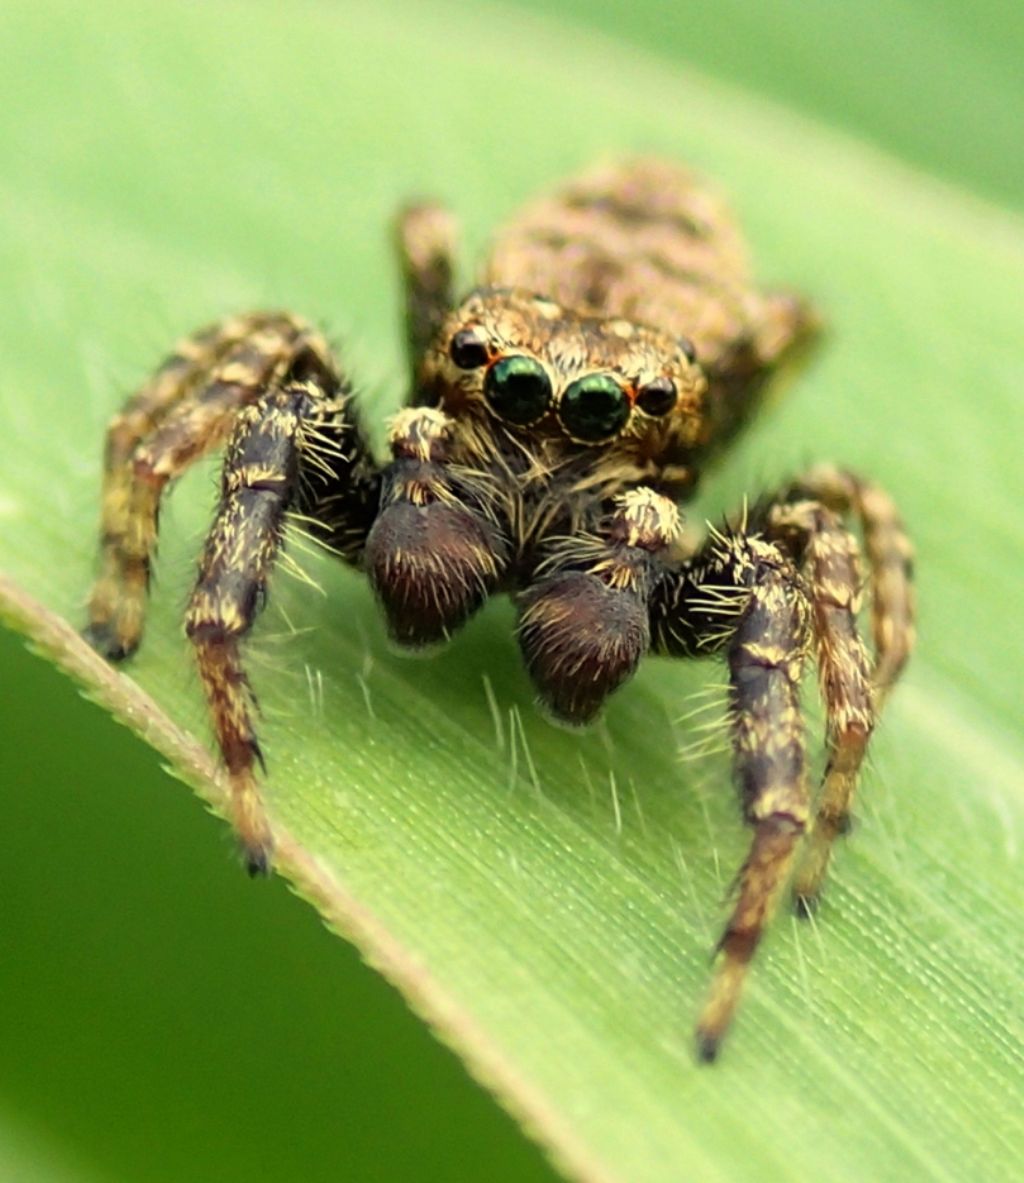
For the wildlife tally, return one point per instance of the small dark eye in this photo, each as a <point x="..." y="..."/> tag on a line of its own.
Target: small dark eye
<point x="687" y="348"/>
<point x="518" y="390"/>
<point x="467" y="350"/>
<point x="658" y="397"/>
<point x="594" y="408"/>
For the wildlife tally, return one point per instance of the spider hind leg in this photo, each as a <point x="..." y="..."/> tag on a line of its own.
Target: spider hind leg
<point x="425" y="236"/>
<point x="829" y="556"/>
<point x="292" y="449"/>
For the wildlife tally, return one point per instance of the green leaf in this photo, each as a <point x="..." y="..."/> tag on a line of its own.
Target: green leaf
<point x="547" y="901"/>
<point x="937" y="81"/>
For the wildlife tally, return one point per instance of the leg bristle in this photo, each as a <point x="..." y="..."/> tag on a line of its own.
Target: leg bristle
<point x="805" y="906"/>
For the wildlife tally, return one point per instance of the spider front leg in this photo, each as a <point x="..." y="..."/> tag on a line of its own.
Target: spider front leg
<point x="745" y="595"/>
<point x="793" y="568"/>
<point x="295" y="448"/>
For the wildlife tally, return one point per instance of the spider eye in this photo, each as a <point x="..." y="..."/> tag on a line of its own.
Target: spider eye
<point x="658" y="397"/>
<point x="518" y="390"/>
<point x="467" y="350"/>
<point x="687" y="348"/>
<point x="594" y="408"/>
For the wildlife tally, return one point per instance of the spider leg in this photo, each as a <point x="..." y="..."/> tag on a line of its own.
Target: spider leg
<point x="813" y="533"/>
<point x="584" y="621"/>
<point x="426" y="240"/>
<point x="792" y="572"/>
<point x="185" y="410"/>
<point x="297" y="447"/>
<point x="745" y="595"/>
<point x="439" y="546"/>
<point x="890" y="563"/>
<point x="266" y="384"/>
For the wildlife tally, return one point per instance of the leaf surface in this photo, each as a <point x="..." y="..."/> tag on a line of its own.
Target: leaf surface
<point x="547" y="901"/>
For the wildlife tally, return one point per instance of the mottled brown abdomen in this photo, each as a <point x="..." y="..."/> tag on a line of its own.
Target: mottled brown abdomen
<point x="647" y="241"/>
<point x="642" y="240"/>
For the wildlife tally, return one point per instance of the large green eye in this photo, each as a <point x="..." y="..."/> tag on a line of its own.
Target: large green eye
<point x="594" y="408"/>
<point x="518" y="390"/>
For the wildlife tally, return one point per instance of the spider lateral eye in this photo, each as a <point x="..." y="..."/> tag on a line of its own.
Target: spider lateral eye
<point x="687" y="348"/>
<point x="658" y="397"/>
<point x="594" y="408"/>
<point x="518" y="390"/>
<point x="467" y="350"/>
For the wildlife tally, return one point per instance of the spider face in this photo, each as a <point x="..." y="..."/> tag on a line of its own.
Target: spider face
<point x="544" y="447"/>
<point x="525" y="363"/>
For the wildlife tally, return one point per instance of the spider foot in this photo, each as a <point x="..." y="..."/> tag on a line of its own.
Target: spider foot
<point x="108" y="641"/>
<point x="814" y="863"/>
<point x="251" y="825"/>
<point x="806" y="904"/>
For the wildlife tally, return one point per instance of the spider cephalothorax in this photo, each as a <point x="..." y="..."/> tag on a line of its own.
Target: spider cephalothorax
<point x="556" y="416"/>
<point x="539" y="419"/>
<point x="527" y="362"/>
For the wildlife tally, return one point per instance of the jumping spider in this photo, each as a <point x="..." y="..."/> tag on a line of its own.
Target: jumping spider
<point x="557" y="416"/>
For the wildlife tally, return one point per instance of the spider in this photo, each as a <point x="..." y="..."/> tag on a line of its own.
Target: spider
<point x="557" y="416"/>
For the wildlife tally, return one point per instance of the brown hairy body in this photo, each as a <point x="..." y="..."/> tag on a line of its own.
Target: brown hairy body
<point x="557" y="415"/>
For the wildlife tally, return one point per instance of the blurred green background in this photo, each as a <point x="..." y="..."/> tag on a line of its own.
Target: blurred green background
<point x="938" y="83"/>
<point x="116" y="1037"/>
